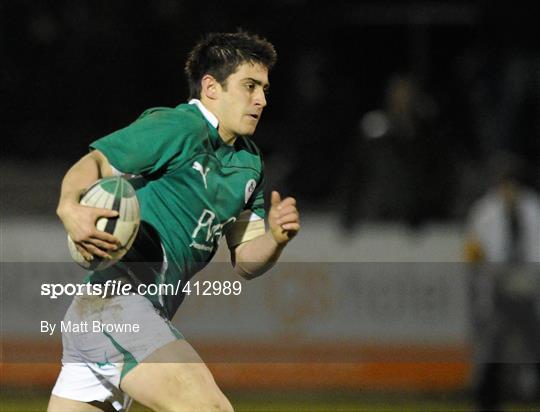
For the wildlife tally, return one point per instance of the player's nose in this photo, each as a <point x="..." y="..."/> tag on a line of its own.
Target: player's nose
<point x="260" y="99"/>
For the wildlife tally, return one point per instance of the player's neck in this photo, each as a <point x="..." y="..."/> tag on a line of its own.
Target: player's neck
<point x="225" y="134"/>
<point x="228" y="137"/>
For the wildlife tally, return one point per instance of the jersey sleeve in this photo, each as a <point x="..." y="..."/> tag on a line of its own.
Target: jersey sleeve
<point x="256" y="202"/>
<point x="250" y="223"/>
<point x="148" y="145"/>
<point x="248" y="226"/>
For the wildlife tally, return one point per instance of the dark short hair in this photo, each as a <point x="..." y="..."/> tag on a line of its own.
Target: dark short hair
<point x="220" y="54"/>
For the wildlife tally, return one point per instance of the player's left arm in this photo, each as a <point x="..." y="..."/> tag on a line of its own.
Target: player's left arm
<point x="254" y="257"/>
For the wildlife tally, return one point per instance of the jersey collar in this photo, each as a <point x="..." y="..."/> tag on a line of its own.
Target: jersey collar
<point x="213" y="120"/>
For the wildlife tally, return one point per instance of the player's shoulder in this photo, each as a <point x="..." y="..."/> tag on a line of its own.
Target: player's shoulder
<point x="182" y="117"/>
<point x="247" y="145"/>
<point x="249" y="153"/>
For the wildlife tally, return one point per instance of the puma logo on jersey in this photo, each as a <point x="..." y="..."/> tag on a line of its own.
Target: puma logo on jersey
<point x="203" y="171"/>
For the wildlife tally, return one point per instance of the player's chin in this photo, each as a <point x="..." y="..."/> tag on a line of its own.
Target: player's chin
<point x="248" y="131"/>
<point x="248" y="126"/>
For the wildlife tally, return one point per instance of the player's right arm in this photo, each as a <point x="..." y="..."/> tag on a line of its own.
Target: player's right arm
<point x="148" y="145"/>
<point x="80" y="221"/>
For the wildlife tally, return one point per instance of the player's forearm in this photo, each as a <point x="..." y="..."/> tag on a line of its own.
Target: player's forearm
<point x="83" y="173"/>
<point x="257" y="256"/>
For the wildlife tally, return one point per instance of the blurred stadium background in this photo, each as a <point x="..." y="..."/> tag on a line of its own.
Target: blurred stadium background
<point x="383" y="120"/>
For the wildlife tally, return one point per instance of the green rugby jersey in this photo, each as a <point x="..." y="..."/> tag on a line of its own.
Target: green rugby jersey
<point x="191" y="189"/>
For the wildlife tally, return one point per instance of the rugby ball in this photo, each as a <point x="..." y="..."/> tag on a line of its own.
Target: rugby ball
<point x="118" y="194"/>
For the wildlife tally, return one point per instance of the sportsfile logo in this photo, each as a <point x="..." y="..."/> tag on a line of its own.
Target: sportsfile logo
<point x="104" y="290"/>
<point x="116" y="288"/>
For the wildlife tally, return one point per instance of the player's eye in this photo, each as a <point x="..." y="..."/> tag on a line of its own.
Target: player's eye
<point x="250" y="86"/>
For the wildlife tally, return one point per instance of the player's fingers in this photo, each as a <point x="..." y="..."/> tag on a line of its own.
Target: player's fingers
<point x="287" y="202"/>
<point x="85" y="254"/>
<point x="287" y="209"/>
<point x="276" y="198"/>
<point x="104" y="245"/>
<point x="290" y="218"/>
<point x="96" y="251"/>
<point x="105" y="237"/>
<point x="101" y="212"/>
<point x="294" y="227"/>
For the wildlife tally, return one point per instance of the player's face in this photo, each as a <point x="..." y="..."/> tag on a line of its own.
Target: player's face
<point x="242" y="101"/>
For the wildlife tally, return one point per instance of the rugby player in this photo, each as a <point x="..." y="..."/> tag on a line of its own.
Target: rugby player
<point x="199" y="177"/>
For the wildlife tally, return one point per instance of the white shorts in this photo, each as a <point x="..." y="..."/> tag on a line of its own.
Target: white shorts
<point x="102" y="340"/>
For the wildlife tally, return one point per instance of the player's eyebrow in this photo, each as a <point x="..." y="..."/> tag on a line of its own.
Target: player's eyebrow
<point x="265" y="86"/>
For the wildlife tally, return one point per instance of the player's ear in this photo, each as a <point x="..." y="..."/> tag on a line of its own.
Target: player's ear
<point x="210" y="87"/>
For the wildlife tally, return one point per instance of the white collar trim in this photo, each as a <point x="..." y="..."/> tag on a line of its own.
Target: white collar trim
<point x="212" y="119"/>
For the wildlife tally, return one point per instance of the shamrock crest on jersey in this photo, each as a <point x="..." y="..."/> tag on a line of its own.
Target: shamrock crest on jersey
<point x="250" y="188"/>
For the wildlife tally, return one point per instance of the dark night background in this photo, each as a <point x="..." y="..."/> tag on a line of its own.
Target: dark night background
<point x="386" y="120"/>
<point x="462" y="78"/>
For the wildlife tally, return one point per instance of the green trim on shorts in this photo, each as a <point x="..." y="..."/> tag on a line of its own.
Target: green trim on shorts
<point x="129" y="360"/>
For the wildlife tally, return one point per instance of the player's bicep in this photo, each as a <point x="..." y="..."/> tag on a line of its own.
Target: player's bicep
<point x="104" y="167"/>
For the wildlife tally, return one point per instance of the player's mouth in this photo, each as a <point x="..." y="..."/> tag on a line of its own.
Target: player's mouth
<point x="254" y="116"/>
